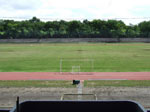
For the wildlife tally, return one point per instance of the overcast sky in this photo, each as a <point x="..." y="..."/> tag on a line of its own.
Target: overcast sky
<point x="76" y="9"/>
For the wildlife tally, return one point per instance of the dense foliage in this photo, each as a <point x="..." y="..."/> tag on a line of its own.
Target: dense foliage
<point x="35" y="28"/>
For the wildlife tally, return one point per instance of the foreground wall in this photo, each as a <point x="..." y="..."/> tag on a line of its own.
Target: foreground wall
<point x="65" y="40"/>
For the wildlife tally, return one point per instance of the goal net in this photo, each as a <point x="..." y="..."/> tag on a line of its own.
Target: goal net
<point x="76" y="65"/>
<point x="75" y="69"/>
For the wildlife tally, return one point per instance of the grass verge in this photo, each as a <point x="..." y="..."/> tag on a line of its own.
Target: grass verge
<point x="118" y="83"/>
<point x="62" y="84"/>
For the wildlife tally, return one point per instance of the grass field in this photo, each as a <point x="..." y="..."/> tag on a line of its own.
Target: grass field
<point x="122" y="57"/>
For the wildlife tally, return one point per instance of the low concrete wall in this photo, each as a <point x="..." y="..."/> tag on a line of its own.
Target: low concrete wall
<point x="67" y="40"/>
<point x="147" y="40"/>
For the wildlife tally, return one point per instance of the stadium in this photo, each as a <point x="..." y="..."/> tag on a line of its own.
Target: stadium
<point x="68" y="56"/>
<point x="47" y="70"/>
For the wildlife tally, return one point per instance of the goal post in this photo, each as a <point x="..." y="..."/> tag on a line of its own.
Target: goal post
<point x="76" y="65"/>
<point x="77" y="96"/>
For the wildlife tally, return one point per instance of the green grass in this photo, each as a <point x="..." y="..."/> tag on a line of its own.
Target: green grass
<point x="62" y="84"/>
<point x="68" y="84"/>
<point x="117" y="83"/>
<point x="117" y="57"/>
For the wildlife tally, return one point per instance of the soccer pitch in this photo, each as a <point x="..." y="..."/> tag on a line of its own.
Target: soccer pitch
<point x="83" y="57"/>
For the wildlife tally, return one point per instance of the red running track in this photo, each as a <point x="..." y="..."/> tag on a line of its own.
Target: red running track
<point x="80" y="76"/>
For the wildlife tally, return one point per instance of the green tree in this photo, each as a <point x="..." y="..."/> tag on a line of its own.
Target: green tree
<point x="144" y="28"/>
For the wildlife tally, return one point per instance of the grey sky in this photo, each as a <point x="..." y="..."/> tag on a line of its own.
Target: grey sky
<point x="77" y="9"/>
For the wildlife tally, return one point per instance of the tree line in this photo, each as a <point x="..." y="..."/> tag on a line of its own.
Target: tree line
<point x="35" y="28"/>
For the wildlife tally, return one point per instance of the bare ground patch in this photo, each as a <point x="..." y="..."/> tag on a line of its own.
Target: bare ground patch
<point x="139" y="94"/>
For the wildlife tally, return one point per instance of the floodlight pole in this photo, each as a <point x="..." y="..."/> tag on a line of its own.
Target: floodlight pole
<point x="17" y="104"/>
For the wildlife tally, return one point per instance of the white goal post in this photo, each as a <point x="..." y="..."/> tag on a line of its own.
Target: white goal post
<point x="76" y="96"/>
<point x="76" y="65"/>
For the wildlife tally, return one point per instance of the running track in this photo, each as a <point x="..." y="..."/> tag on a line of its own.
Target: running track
<point x="80" y="76"/>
